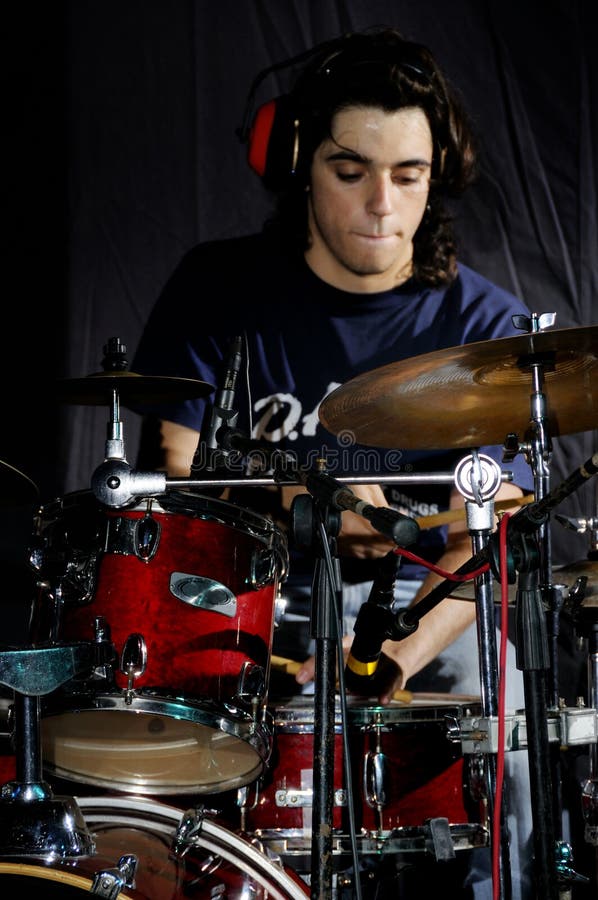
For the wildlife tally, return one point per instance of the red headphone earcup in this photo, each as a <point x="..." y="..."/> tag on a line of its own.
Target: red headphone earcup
<point x="273" y="143"/>
<point x="259" y="137"/>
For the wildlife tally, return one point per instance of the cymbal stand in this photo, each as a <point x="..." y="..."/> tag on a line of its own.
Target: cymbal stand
<point x="589" y="796"/>
<point x="33" y="821"/>
<point x="585" y="619"/>
<point x="537" y="633"/>
<point x="586" y="624"/>
<point x="478" y="478"/>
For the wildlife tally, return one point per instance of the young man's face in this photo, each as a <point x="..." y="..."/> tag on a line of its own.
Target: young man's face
<point x="368" y="193"/>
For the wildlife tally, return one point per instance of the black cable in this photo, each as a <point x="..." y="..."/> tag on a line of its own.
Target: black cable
<point x="343" y="707"/>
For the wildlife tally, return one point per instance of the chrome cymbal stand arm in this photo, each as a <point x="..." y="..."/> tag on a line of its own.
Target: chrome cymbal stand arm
<point x="538" y="451"/>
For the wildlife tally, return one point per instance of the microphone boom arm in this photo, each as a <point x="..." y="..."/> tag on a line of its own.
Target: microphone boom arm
<point x="401" y="529"/>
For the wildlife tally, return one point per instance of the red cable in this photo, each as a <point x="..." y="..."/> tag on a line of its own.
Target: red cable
<point x="451" y="576"/>
<point x="502" y="670"/>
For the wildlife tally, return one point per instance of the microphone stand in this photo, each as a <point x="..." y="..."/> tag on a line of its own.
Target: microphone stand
<point x="316" y="526"/>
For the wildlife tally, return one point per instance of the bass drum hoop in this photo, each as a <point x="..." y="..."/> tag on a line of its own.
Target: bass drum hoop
<point x="101" y="811"/>
<point x="62" y="876"/>
<point x="163" y="820"/>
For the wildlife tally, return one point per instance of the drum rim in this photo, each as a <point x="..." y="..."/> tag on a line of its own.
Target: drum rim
<point x="241" y="518"/>
<point x="65" y="876"/>
<point x="209" y="828"/>
<point x="152" y="700"/>
<point x="233" y="848"/>
<point x="256" y="735"/>
<point x="290" y="717"/>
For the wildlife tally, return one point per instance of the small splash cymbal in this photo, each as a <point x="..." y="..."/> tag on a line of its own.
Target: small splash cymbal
<point x="471" y="395"/>
<point x="133" y="389"/>
<point x="15" y="487"/>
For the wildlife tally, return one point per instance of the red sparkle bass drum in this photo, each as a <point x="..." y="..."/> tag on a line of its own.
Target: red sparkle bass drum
<point x="178" y="595"/>
<point x="169" y="854"/>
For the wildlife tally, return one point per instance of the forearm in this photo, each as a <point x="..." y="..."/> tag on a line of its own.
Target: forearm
<point x="439" y="626"/>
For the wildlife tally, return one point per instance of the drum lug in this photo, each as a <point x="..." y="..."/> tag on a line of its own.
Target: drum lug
<point x="375" y="779"/>
<point x="280" y="606"/>
<point x="147" y="538"/>
<point x="376" y="769"/>
<point x="252" y="682"/>
<point x="133" y="662"/>
<point x="109" y="882"/>
<point x="188" y="831"/>
<point x="262" y="569"/>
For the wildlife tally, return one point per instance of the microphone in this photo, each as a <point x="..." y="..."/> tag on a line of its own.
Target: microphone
<point x="373" y="625"/>
<point x="209" y="456"/>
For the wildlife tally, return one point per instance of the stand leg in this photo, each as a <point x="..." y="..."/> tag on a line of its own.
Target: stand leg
<point x="533" y="660"/>
<point x="489" y="696"/>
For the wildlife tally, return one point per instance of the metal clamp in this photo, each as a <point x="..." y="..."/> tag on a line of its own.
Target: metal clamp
<point x="569" y="727"/>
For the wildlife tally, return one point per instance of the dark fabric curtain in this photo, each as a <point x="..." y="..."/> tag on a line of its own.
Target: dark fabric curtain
<point x="122" y="118"/>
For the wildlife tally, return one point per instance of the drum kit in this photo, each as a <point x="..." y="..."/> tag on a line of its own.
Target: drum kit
<point x="144" y="687"/>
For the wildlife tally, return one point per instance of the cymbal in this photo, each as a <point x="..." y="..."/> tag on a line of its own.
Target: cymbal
<point x="471" y="395"/>
<point x="566" y="575"/>
<point x="15" y="487"/>
<point x="96" y="389"/>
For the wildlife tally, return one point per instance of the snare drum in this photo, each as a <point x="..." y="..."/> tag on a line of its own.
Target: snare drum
<point x="406" y="769"/>
<point x="169" y="862"/>
<point x="194" y="580"/>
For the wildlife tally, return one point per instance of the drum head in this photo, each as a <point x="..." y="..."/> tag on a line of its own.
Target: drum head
<point x="157" y="745"/>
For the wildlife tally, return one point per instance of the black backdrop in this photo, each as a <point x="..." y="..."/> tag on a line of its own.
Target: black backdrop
<point x="120" y="123"/>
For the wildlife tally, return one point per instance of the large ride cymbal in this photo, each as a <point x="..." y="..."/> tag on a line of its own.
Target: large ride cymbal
<point x="471" y="395"/>
<point x="133" y="389"/>
<point x="15" y="487"/>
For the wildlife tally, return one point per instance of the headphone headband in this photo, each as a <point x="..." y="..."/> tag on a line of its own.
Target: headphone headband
<point x="273" y="134"/>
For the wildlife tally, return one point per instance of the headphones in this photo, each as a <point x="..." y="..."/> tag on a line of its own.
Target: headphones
<point x="275" y="133"/>
<point x="272" y="133"/>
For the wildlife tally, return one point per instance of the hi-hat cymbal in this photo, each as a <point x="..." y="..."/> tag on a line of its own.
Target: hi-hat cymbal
<point x="15" y="487"/>
<point x="133" y="389"/>
<point x="566" y="575"/>
<point x="471" y="395"/>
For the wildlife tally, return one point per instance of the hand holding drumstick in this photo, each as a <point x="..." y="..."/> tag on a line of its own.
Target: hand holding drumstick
<point x="291" y="667"/>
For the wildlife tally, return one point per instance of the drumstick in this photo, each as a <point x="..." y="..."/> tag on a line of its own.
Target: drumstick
<point x="454" y="515"/>
<point x="291" y="667"/>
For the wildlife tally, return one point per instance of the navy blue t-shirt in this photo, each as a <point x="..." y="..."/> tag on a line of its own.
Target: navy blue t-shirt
<point x="303" y="338"/>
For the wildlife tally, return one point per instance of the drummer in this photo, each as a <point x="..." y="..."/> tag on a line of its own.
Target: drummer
<point x="357" y="268"/>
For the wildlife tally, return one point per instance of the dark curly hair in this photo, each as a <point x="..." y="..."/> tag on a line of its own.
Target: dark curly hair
<point x="380" y="68"/>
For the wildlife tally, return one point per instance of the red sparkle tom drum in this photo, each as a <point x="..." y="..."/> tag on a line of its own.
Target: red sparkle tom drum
<point x="406" y="769"/>
<point x="183" y="588"/>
